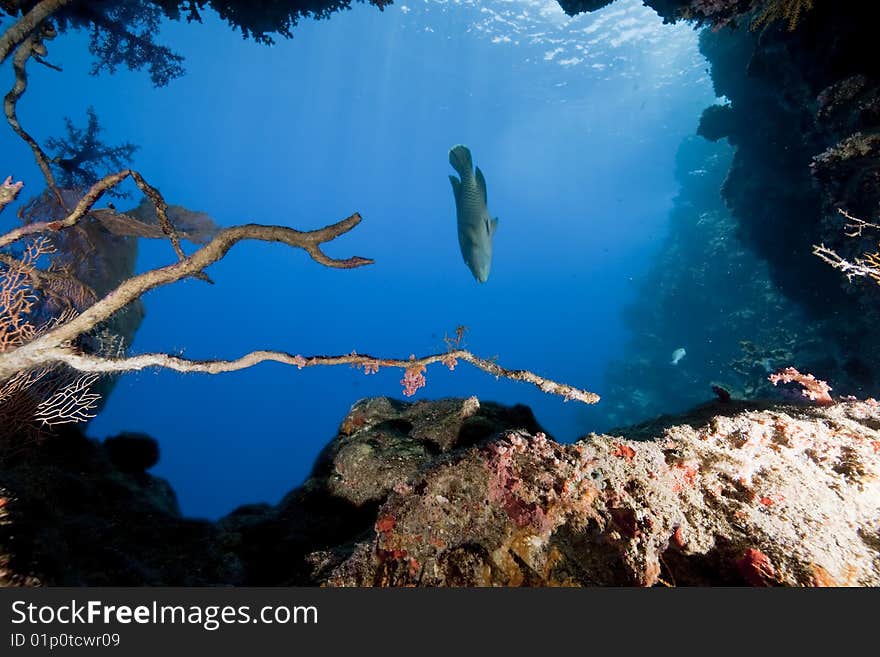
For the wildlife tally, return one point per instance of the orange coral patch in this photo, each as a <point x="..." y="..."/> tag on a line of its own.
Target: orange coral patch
<point x="385" y="524"/>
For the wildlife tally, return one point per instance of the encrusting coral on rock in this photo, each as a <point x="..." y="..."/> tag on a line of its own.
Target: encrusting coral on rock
<point x="780" y="496"/>
<point x="463" y="493"/>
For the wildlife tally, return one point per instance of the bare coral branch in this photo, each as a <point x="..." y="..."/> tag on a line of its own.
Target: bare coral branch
<point x="857" y="268"/>
<point x="46" y="347"/>
<point x="414" y="368"/>
<point x="161" y="210"/>
<point x="22" y="29"/>
<point x="868" y="266"/>
<point x="855" y="225"/>
<point x="545" y="385"/>
<point x="32" y="46"/>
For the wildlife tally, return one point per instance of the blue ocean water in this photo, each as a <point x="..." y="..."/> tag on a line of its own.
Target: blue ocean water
<point x="574" y="121"/>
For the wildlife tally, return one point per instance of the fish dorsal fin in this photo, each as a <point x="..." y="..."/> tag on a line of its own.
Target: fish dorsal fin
<point x="481" y="184"/>
<point x="456" y="186"/>
<point x="491" y="226"/>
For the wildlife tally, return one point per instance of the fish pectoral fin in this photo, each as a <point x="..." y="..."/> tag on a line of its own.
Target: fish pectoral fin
<point x="491" y="226"/>
<point x="481" y="184"/>
<point x="456" y="186"/>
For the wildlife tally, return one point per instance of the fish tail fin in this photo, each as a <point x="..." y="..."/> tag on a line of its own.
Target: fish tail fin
<point x="460" y="159"/>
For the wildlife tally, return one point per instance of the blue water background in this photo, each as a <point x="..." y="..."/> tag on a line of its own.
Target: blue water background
<point x="575" y="123"/>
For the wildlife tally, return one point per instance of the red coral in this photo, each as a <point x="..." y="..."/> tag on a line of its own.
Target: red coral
<point x="678" y="537"/>
<point x="385" y="524"/>
<point x="756" y="568"/>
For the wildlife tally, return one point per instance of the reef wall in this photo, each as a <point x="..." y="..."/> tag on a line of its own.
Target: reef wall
<point x="710" y="294"/>
<point x="804" y="116"/>
<point x="800" y="104"/>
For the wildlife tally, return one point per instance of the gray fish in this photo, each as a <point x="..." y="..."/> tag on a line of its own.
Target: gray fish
<point x="475" y="226"/>
<point x="677" y="355"/>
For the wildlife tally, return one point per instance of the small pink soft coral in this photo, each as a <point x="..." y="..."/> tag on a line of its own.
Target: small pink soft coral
<point x="413" y="378"/>
<point x="813" y="388"/>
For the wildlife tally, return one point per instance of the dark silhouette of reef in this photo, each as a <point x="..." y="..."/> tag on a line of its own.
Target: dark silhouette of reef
<point x="803" y="107"/>
<point x="124" y="33"/>
<point x="461" y="493"/>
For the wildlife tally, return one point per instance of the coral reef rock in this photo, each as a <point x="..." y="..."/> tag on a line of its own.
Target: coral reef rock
<point x="464" y="493"/>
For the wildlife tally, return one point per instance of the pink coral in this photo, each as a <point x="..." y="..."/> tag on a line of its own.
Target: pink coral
<point x="813" y="388"/>
<point x="413" y="378"/>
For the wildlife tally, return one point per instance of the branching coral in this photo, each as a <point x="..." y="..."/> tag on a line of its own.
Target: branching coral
<point x="811" y="387"/>
<point x="790" y="11"/>
<point x="866" y="266"/>
<point x="17" y="298"/>
<point x="721" y="13"/>
<point x="46" y="395"/>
